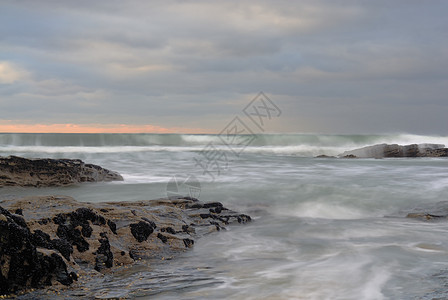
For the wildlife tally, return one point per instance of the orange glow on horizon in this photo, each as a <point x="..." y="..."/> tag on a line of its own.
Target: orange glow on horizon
<point x="93" y="128"/>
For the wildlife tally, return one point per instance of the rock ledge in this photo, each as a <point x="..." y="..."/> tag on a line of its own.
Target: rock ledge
<point x="52" y="239"/>
<point x="18" y="171"/>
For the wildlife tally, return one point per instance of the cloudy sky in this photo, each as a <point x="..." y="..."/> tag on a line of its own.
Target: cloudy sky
<point x="192" y="66"/>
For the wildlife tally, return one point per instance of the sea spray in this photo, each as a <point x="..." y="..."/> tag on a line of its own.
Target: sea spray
<point x="303" y="145"/>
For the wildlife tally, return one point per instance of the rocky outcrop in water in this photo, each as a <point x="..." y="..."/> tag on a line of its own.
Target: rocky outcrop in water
<point x="428" y="212"/>
<point x="18" y="171"/>
<point x="51" y="240"/>
<point x="394" y="150"/>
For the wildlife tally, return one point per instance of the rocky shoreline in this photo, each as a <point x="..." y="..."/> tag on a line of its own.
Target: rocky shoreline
<point x="52" y="240"/>
<point x="19" y="171"/>
<point x="394" y="151"/>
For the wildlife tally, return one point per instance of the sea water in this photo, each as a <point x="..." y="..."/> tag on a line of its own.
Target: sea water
<point x="323" y="228"/>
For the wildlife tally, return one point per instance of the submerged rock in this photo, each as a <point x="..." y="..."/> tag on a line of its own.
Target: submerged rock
<point x="325" y="156"/>
<point x="430" y="212"/>
<point x="58" y="237"/>
<point x="18" y="171"/>
<point x="386" y="150"/>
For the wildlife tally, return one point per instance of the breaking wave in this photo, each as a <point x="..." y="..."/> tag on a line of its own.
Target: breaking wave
<point x="303" y="145"/>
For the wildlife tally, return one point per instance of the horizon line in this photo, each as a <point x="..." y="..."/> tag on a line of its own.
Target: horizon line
<point x="8" y="127"/>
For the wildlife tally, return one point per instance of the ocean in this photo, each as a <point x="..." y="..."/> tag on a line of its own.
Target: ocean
<point x="323" y="228"/>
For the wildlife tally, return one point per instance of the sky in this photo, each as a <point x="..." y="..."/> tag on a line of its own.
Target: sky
<point x="334" y="67"/>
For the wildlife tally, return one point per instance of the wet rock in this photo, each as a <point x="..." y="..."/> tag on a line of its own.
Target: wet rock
<point x="216" y="210"/>
<point x="163" y="238"/>
<point x="63" y="246"/>
<point x="168" y="229"/>
<point x="442" y="152"/>
<point x="22" y="264"/>
<point x="18" y="171"/>
<point x="212" y="204"/>
<point x="104" y="257"/>
<point x="188" y="243"/>
<point x="425" y="216"/>
<point x="243" y="219"/>
<point x="324" y="156"/>
<point x="67" y="237"/>
<point x="42" y="239"/>
<point x="73" y="236"/>
<point x="112" y="226"/>
<point x="195" y="205"/>
<point x="430" y="212"/>
<point x="394" y="150"/>
<point x="141" y="230"/>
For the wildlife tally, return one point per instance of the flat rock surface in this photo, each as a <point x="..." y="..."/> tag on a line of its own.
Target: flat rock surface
<point x="18" y="171"/>
<point x="62" y="238"/>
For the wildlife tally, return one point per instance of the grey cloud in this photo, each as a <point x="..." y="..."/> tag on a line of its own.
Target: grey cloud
<point x="170" y="60"/>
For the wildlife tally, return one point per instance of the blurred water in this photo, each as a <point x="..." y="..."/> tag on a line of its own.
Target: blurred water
<point x="322" y="229"/>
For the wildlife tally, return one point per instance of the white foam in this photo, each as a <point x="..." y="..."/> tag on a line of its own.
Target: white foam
<point x="108" y="149"/>
<point x="276" y="144"/>
<point x="326" y="211"/>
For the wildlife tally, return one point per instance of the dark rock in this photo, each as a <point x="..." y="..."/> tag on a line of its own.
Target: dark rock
<point x="212" y="204"/>
<point x="218" y="227"/>
<point x="97" y="236"/>
<point x="394" y="150"/>
<point x="191" y="199"/>
<point x="170" y="230"/>
<point x="425" y="216"/>
<point x="216" y="210"/>
<point x="188" y="243"/>
<point x="73" y="235"/>
<point x="23" y="266"/>
<point x="163" y="238"/>
<point x="112" y="226"/>
<point x="188" y="229"/>
<point x="430" y="212"/>
<point x="74" y="276"/>
<point x="86" y="230"/>
<point x="104" y="257"/>
<point x="64" y="247"/>
<point x="324" y="156"/>
<point x="69" y="222"/>
<point x="194" y="205"/>
<point x="18" y="219"/>
<point x="141" y="230"/>
<point x="42" y="239"/>
<point x="82" y="215"/>
<point x="243" y="219"/>
<point x="43" y="221"/>
<point x="18" y="171"/>
<point x="150" y="222"/>
<point x="443" y="152"/>
<point x="224" y="219"/>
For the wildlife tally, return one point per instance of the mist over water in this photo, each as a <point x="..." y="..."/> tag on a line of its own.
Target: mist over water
<point x="303" y="145"/>
<point x="322" y="229"/>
